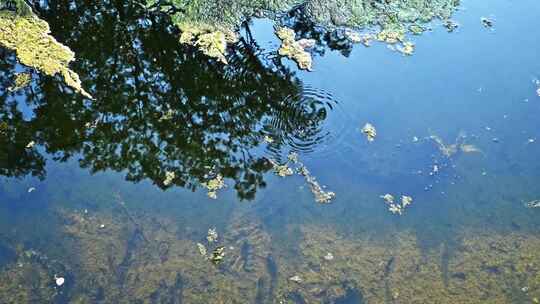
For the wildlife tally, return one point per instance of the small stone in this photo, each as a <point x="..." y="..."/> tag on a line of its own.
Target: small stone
<point x="296" y="279"/>
<point x="329" y="256"/>
<point x="59" y="281"/>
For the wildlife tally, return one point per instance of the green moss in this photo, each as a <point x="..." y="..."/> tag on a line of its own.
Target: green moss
<point x="21" y="80"/>
<point x="29" y="37"/>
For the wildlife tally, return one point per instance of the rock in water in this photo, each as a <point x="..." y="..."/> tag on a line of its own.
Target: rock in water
<point x="59" y="281"/>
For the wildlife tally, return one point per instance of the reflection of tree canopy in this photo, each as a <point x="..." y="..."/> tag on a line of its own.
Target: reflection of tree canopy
<point x="15" y="132"/>
<point x="159" y="107"/>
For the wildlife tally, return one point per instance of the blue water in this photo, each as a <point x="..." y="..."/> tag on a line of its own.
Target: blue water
<point x="476" y="82"/>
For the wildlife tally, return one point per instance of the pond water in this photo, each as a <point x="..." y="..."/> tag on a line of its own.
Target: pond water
<point x="114" y="194"/>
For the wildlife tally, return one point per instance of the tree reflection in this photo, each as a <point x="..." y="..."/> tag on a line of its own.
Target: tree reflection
<point x="16" y="159"/>
<point x="159" y="106"/>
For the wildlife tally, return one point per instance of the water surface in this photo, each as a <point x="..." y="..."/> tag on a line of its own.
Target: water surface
<point x="89" y="202"/>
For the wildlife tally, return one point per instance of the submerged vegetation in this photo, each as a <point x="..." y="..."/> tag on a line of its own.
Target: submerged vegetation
<point x="125" y="258"/>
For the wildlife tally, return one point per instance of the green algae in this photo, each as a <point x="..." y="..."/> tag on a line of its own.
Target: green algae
<point x="459" y="145"/>
<point x="210" y="40"/>
<point x="206" y="24"/>
<point x="213" y="185"/>
<point x="395" y="207"/>
<point x="369" y="131"/>
<point x="30" y="38"/>
<point x="295" y="49"/>
<point x="21" y="80"/>
<point x="293" y="164"/>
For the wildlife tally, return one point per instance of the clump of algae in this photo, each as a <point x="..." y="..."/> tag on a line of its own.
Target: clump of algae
<point x="450" y="150"/>
<point x="283" y="170"/>
<point x="213" y="185"/>
<point x="295" y="50"/>
<point x="210" y="40"/>
<point x="21" y="81"/>
<point x="390" y="19"/>
<point x="30" y="38"/>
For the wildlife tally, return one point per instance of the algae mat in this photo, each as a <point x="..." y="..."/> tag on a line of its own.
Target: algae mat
<point x="30" y="38"/>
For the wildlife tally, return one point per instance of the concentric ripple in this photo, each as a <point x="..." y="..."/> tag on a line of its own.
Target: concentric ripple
<point x="309" y="122"/>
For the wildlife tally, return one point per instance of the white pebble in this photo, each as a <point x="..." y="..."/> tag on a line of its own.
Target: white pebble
<point x="329" y="256"/>
<point x="59" y="281"/>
